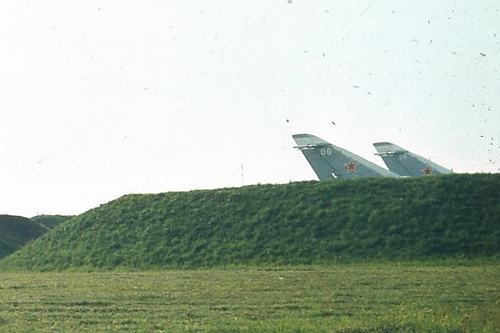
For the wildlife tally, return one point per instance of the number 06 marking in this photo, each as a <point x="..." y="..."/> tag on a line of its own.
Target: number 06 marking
<point x="325" y="151"/>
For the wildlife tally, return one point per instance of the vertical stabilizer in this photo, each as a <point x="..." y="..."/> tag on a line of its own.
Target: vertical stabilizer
<point x="329" y="161"/>
<point x="405" y="163"/>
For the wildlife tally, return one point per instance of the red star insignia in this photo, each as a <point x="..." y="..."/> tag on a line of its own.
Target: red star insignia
<point x="427" y="171"/>
<point x="351" y="166"/>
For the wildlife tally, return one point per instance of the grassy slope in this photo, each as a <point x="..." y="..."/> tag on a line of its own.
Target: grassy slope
<point x="16" y="231"/>
<point x="51" y="221"/>
<point x="297" y="223"/>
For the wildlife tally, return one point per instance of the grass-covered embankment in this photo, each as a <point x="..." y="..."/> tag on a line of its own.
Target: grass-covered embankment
<point x="51" y="221"/>
<point x="16" y="231"/>
<point x="450" y="216"/>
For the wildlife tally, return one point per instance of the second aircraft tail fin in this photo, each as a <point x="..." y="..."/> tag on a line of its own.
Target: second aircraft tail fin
<point x="405" y="163"/>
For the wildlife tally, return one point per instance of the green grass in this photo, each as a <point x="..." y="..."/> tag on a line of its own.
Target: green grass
<point x="348" y="299"/>
<point x="439" y="217"/>
<point x="51" y="221"/>
<point x="16" y="231"/>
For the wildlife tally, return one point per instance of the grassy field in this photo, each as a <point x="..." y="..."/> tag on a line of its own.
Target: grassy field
<point x="347" y="299"/>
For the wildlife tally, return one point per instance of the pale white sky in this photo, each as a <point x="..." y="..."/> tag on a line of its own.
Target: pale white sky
<point x="103" y="98"/>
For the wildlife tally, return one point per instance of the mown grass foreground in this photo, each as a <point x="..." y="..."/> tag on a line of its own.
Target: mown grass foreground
<point x="347" y="299"/>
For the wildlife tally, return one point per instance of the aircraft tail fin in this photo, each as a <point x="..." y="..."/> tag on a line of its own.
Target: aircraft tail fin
<point x="406" y="163"/>
<point x="329" y="161"/>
